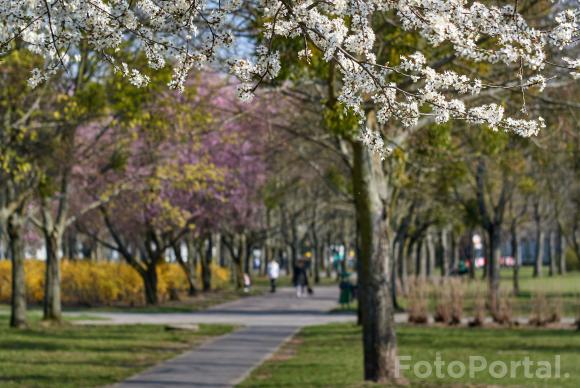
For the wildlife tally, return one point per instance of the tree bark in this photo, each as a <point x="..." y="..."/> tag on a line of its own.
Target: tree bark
<point x="52" y="308"/>
<point x="561" y="252"/>
<point x="379" y="339"/>
<point x="403" y="248"/>
<point x="444" y="241"/>
<point x="494" y="233"/>
<point x="516" y="254"/>
<point x="206" y="265"/>
<point x="16" y="247"/>
<point x="150" y="282"/>
<point x="553" y="261"/>
<point x="188" y="267"/>
<point x="430" y="256"/>
<point x="539" y="253"/>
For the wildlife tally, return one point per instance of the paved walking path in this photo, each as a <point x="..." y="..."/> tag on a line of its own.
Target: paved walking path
<point x="221" y="363"/>
<point x="267" y="320"/>
<point x="280" y="309"/>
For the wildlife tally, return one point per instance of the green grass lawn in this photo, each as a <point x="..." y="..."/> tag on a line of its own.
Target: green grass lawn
<point x="88" y="356"/>
<point x="331" y="356"/>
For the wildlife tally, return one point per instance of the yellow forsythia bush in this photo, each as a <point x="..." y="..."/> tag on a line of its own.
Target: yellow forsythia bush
<point x="101" y="283"/>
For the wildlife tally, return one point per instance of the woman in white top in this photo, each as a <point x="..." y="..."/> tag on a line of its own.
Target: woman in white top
<point x="273" y="274"/>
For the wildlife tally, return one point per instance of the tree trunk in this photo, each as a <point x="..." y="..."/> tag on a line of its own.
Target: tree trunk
<point x="318" y="258"/>
<point x="394" y="273"/>
<point x="561" y="252"/>
<point x="404" y="249"/>
<point x="188" y="267"/>
<point x="419" y="258"/>
<point x="493" y="268"/>
<point x="18" y="298"/>
<point x="52" y="308"/>
<point x="206" y="265"/>
<point x="150" y="284"/>
<point x="553" y="261"/>
<point x="454" y="252"/>
<point x="430" y="256"/>
<point x="539" y="253"/>
<point x="217" y="246"/>
<point x="379" y="339"/>
<point x="239" y="259"/>
<point x="444" y="240"/>
<point x="516" y="254"/>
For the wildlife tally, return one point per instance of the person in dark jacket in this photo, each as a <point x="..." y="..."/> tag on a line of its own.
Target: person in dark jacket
<point x="300" y="281"/>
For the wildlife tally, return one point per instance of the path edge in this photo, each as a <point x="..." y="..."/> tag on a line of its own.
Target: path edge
<point x="243" y="377"/>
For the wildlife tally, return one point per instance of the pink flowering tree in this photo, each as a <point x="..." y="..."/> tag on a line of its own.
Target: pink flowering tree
<point x="187" y="168"/>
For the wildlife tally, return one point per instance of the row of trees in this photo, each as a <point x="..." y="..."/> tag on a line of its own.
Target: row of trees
<point x="136" y="171"/>
<point x="414" y="62"/>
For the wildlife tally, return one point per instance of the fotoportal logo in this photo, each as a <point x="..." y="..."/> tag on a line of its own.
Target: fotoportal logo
<point x="477" y="366"/>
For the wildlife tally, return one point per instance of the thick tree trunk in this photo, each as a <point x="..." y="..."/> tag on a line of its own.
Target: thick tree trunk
<point x="18" y="298"/>
<point x="379" y="340"/>
<point x="52" y="308"/>
<point x="150" y="284"/>
<point x="493" y="268"/>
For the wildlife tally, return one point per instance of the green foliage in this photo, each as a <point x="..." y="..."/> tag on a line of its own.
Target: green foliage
<point x="338" y="181"/>
<point x="339" y="121"/>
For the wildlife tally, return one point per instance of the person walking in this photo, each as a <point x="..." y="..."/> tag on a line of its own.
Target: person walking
<point x="300" y="280"/>
<point x="273" y="274"/>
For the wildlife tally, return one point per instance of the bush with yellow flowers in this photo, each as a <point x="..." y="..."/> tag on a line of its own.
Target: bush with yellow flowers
<point x="93" y="283"/>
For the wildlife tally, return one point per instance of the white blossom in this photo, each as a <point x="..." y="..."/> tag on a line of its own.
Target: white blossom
<point x="190" y="34"/>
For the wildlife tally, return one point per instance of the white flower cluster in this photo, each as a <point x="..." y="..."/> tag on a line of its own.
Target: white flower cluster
<point x="574" y="65"/>
<point x="191" y="33"/>
<point x="374" y="141"/>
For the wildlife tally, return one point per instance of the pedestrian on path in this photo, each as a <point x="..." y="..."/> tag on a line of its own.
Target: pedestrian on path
<point x="273" y="274"/>
<point x="247" y="283"/>
<point x="300" y="280"/>
<point x="346" y="290"/>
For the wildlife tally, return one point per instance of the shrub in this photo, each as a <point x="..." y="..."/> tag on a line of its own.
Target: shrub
<point x="539" y="310"/>
<point x="478" y="309"/>
<point x="572" y="261"/>
<point x="443" y="304"/>
<point x="504" y="313"/>
<point x="91" y="283"/>
<point x="556" y="311"/>
<point x="417" y="301"/>
<point x="457" y="300"/>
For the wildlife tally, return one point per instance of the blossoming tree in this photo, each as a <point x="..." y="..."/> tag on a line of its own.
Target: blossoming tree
<point x="188" y="34"/>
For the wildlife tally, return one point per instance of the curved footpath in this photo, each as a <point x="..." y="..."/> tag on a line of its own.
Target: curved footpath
<point x="267" y="322"/>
